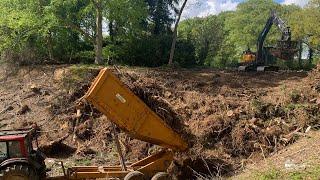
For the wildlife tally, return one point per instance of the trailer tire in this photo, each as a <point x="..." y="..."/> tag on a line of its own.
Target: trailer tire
<point x="135" y="175"/>
<point x="18" y="172"/>
<point x="161" y="176"/>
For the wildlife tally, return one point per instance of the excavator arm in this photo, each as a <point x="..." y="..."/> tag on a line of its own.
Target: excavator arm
<point x="282" y="26"/>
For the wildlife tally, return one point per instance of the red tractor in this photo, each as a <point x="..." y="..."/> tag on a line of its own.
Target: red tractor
<point x="18" y="159"/>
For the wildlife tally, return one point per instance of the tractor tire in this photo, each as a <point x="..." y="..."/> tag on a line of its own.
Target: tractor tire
<point x="135" y="175"/>
<point x="161" y="176"/>
<point x="18" y="172"/>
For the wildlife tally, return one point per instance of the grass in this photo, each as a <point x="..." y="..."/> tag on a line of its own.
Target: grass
<point x="293" y="106"/>
<point x="270" y="174"/>
<point x="312" y="173"/>
<point x="295" y="95"/>
<point x="83" y="162"/>
<point x="77" y="74"/>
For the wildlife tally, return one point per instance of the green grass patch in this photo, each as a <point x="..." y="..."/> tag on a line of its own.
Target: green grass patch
<point x="78" y="74"/>
<point x="268" y="175"/>
<point x="312" y="173"/>
<point x="83" y="162"/>
<point x="293" y="106"/>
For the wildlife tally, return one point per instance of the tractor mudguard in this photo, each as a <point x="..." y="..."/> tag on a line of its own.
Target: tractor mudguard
<point x="14" y="161"/>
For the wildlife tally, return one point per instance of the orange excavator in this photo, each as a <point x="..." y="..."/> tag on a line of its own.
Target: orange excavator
<point x="263" y="58"/>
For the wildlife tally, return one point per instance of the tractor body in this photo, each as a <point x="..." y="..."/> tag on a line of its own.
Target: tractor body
<point x="18" y="159"/>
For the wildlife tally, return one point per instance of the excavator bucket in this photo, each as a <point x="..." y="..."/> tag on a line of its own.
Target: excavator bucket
<point x="121" y="106"/>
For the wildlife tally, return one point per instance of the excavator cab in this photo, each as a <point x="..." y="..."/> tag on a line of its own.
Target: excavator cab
<point x="248" y="56"/>
<point x="18" y="159"/>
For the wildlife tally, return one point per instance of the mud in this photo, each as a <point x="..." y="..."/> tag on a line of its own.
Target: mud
<point x="57" y="149"/>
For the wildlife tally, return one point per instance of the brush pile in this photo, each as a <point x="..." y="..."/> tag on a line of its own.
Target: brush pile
<point x="226" y="117"/>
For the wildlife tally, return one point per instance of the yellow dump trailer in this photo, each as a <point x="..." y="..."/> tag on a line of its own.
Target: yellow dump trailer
<point x="121" y="106"/>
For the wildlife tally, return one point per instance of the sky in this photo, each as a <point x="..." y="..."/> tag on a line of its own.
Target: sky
<point x="201" y="8"/>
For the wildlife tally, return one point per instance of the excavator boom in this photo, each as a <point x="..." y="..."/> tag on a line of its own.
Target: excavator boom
<point x="285" y="48"/>
<point x="281" y="25"/>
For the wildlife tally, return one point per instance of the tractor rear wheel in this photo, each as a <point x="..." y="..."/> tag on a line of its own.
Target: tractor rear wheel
<point x="18" y="172"/>
<point x="161" y="176"/>
<point x="135" y="175"/>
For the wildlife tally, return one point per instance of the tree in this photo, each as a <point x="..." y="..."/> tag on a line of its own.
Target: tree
<point x="126" y="18"/>
<point x="160" y="15"/>
<point x="29" y="34"/>
<point x="305" y="24"/>
<point x="98" y="39"/>
<point x="84" y="17"/>
<point x="249" y="20"/>
<point x="206" y="34"/>
<point x="174" y="39"/>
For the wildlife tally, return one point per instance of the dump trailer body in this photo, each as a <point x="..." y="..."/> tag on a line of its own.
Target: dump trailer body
<point x="121" y="106"/>
<point x="149" y="166"/>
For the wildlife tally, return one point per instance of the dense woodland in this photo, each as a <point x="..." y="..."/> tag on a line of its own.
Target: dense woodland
<point x="139" y="32"/>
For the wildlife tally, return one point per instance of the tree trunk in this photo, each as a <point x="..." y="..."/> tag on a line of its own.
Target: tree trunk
<point x="300" y="54"/>
<point x="111" y="32"/>
<point x="50" y="47"/>
<point x="174" y="40"/>
<point x="99" y="38"/>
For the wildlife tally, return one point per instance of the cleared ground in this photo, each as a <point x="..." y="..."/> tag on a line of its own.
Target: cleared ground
<point x="231" y="119"/>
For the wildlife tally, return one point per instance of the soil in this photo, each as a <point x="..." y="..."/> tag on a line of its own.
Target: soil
<point x="302" y="155"/>
<point x="228" y="118"/>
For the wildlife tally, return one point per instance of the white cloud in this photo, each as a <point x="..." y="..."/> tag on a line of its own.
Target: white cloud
<point x="201" y="8"/>
<point x="296" y="2"/>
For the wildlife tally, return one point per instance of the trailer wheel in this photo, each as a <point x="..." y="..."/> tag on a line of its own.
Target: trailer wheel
<point x="135" y="175"/>
<point x="161" y="176"/>
<point x="18" y="172"/>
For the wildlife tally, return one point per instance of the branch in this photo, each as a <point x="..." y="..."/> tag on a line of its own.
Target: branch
<point x="77" y="28"/>
<point x="96" y="5"/>
<point x="180" y="12"/>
